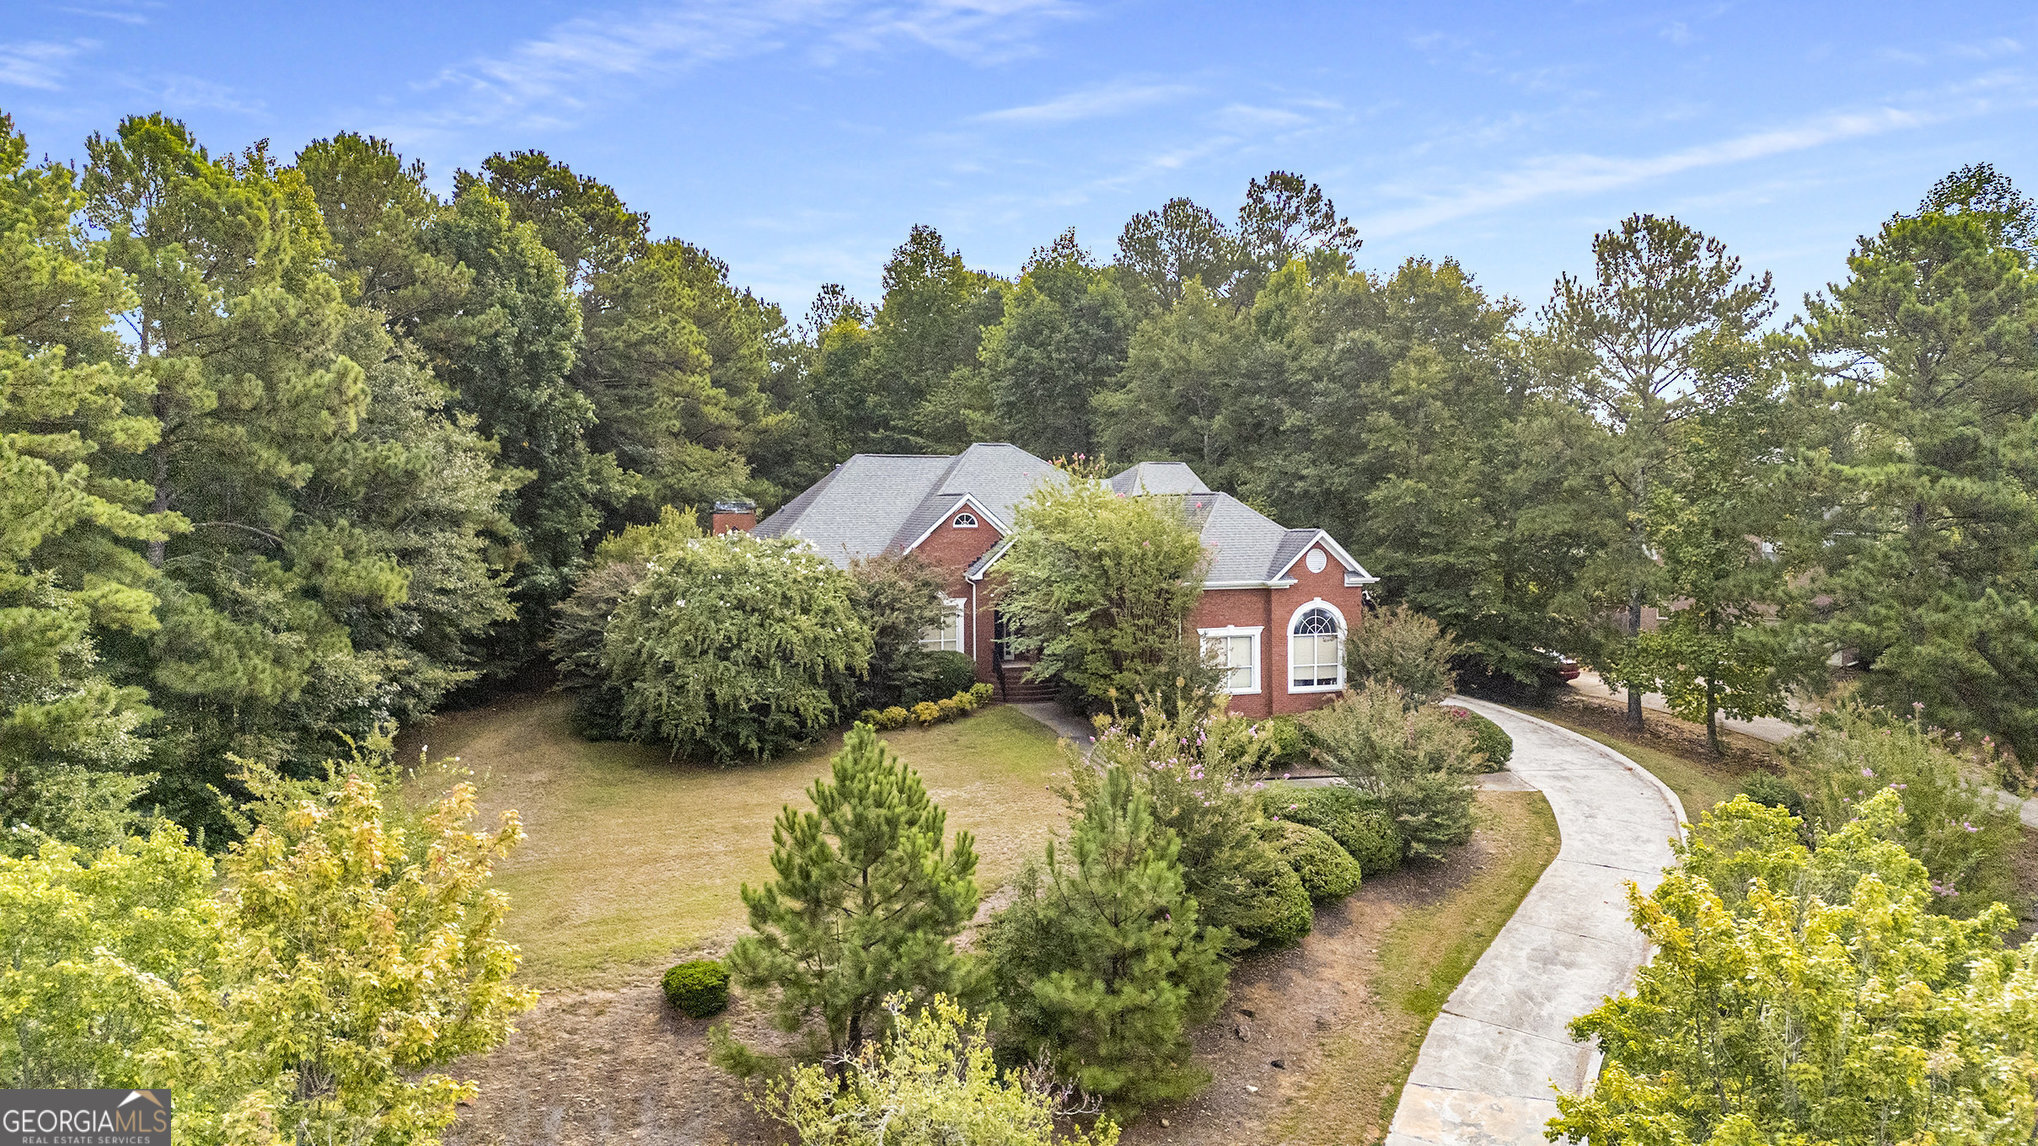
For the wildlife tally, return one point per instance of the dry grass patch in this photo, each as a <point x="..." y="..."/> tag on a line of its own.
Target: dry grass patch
<point x="633" y="859"/>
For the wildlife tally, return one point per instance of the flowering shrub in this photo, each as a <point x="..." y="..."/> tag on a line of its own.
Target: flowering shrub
<point x="1951" y="822"/>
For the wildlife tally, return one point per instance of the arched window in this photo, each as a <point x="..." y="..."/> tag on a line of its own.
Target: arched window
<point x="1316" y="649"/>
<point x="965" y="520"/>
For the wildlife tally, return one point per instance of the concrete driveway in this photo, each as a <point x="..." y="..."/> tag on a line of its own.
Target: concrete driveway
<point x="1487" y="1066"/>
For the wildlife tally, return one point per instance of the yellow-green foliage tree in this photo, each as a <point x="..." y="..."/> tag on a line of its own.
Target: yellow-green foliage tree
<point x="931" y="1083"/>
<point x="1811" y="997"/>
<point x="352" y="951"/>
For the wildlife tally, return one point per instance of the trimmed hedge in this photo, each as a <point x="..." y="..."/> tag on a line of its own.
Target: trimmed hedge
<point x="1280" y="912"/>
<point x="698" y="987"/>
<point x="1326" y="869"/>
<point x="1488" y="738"/>
<point x="1358" y="825"/>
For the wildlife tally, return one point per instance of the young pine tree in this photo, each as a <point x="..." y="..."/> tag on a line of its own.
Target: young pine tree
<point x="867" y="902"/>
<point x="1101" y="960"/>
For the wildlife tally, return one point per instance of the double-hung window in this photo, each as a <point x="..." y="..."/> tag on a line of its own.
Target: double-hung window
<point x="1316" y="649"/>
<point x="1237" y="652"/>
<point x="947" y="634"/>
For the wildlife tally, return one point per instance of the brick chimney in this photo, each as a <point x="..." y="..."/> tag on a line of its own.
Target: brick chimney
<point x="734" y="514"/>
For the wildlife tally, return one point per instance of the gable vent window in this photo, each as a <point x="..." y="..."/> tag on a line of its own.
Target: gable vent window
<point x="965" y="521"/>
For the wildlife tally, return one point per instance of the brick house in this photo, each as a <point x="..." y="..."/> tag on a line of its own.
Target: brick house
<point x="1277" y="602"/>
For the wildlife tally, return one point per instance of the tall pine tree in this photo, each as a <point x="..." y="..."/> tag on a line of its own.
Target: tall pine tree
<point x="867" y="903"/>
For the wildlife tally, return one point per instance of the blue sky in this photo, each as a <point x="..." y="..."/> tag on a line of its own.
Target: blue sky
<point x="800" y="139"/>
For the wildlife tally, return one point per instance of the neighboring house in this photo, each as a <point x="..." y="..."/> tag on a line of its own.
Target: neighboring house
<point x="1276" y="607"/>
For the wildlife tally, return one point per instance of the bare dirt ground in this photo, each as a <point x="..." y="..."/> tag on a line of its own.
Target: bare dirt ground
<point x="1343" y="1013"/>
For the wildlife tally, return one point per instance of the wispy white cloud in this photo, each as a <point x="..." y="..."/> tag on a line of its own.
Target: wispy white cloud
<point x="1116" y="98"/>
<point x="118" y="11"/>
<point x="1556" y="176"/>
<point x="177" y="93"/>
<point x="550" y="78"/>
<point x="39" y="64"/>
<point x="1242" y="118"/>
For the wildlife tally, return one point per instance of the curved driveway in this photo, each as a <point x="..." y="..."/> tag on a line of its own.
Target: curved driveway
<point x="1490" y="1058"/>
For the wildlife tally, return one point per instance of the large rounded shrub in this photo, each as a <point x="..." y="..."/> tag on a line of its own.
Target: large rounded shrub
<point x="1488" y="739"/>
<point x="736" y="647"/>
<point x="945" y="673"/>
<point x="1359" y="825"/>
<point x="698" y="987"/>
<point x="1276" y="911"/>
<point x="1326" y="870"/>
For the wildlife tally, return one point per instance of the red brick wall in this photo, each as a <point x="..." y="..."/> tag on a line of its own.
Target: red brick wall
<point x="1272" y="611"/>
<point x="955" y="550"/>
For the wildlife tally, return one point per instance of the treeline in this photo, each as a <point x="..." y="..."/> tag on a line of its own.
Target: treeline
<point x="295" y="449"/>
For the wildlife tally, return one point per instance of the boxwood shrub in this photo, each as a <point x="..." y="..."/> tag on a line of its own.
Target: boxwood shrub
<point x="946" y="673"/>
<point x="1358" y="825"/>
<point x="1326" y="869"/>
<point x="1279" y="912"/>
<point x="1489" y="739"/>
<point x="698" y="987"/>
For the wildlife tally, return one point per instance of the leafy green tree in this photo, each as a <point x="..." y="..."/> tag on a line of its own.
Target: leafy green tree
<point x="510" y="372"/>
<point x="1809" y="996"/>
<point x="69" y="735"/>
<point x="1987" y="195"/>
<point x="736" y="646"/>
<point x="1184" y="369"/>
<point x="580" y="623"/>
<point x="867" y="901"/>
<point x="581" y="220"/>
<point x="1415" y="763"/>
<point x="1061" y="341"/>
<point x="417" y="480"/>
<point x="1102" y="961"/>
<point x="1666" y="328"/>
<point x="1714" y="519"/>
<point x="1927" y="555"/>
<point x="1102" y="586"/>
<point x="932" y="1082"/>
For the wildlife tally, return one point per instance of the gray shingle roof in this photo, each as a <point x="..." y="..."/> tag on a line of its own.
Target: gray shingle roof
<point x="1158" y="477"/>
<point x="875" y="502"/>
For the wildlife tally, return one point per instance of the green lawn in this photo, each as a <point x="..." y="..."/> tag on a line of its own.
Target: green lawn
<point x="633" y="859"/>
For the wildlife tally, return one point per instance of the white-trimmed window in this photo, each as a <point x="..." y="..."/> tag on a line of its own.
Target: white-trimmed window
<point x="947" y="634"/>
<point x="965" y="520"/>
<point x="1237" y="651"/>
<point x="1316" y="648"/>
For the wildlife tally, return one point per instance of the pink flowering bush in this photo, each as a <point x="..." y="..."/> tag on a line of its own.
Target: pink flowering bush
<point x="1953" y="822"/>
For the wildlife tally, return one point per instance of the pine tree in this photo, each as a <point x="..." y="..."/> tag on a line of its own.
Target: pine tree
<point x="867" y="901"/>
<point x="1102" y="961"/>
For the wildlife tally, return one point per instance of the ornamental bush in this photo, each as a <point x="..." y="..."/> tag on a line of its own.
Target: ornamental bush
<point x="698" y="987"/>
<point x="1416" y="763"/>
<point x="980" y="692"/>
<point x="948" y="709"/>
<point x="945" y="673"/>
<point x="893" y="717"/>
<point x="1326" y="870"/>
<point x="899" y="597"/>
<point x="1952" y="822"/>
<point x="926" y="713"/>
<point x="1777" y="792"/>
<point x="1359" y="825"/>
<point x="736" y="647"/>
<point x="1488" y="739"/>
<point x="1401" y="647"/>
